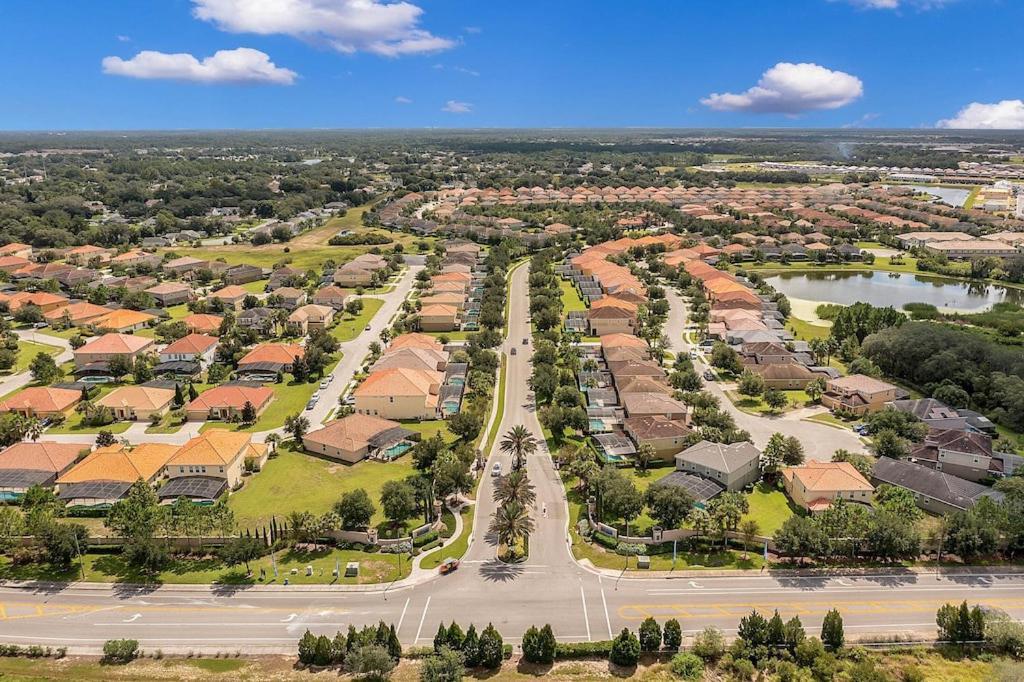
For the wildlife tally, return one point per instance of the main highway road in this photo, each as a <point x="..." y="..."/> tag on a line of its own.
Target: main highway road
<point x="580" y="603"/>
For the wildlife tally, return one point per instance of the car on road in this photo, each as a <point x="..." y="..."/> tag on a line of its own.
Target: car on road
<point x="709" y="375"/>
<point x="366" y="328"/>
<point x="448" y="565"/>
<point x="496" y="469"/>
<point x="694" y="354"/>
<point x="312" y="402"/>
<point x="324" y="383"/>
<point x="526" y="341"/>
<point x="40" y="325"/>
<point x="513" y="351"/>
<point x="862" y="429"/>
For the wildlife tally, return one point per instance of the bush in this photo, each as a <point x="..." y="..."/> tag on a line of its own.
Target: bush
<point x="606" y="541"/>
<point x="425" y="539"/>
<point x="709" y="644"/>
<point x="1006" y="636"/>
<point x="650" y="635"/>
<point x="673" y="636"/>
<point x="120" y="650"/>
<point x="539" y="645"/>
<point x="490" y="648"/>
<point x="687" y="666"/>
<point x="625" y="649"/>
<point x="570" y="650"/>
<point x="626" y="549"/>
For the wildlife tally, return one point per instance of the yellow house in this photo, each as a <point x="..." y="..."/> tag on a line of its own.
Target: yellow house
<point x="217" y="453"/>
<point x="815" y="485"/>
<point x="399" y="393"/>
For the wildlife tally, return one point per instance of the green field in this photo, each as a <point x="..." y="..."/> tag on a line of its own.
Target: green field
<point x="457" y="548"/>
<point x="295" y="481"/>
<point x="756" y="404"/>
<point x="27" y="351"/>
<point x="770" y="508"/>
<point x="350" y="327"/>
<point x="289" y="398"/>
<point x="571" y="300"/>
<point x="73" y="423"/>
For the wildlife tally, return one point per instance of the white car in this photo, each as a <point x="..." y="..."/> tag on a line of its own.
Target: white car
<point x="496" y="469"/>
<point x="324" y="384"/>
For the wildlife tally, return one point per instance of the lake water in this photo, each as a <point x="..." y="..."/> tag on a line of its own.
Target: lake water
<point x="893" y="289"/>
<point x="947" y="195"/>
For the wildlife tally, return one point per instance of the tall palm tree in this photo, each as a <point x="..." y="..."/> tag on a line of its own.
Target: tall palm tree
<point x="515" y="488"/>
<point x="519" y="443"/>
<point x="511" y="523"/>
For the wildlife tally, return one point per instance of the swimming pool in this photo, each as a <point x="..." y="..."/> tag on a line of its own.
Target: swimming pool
<point x="397" y="450"/>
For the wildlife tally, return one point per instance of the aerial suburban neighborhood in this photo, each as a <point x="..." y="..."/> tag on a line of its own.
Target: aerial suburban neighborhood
<point x="379" y="340"/>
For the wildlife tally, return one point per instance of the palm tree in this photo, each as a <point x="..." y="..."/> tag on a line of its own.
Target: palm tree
<point x="272" y="440"/>
<point x="701" y="521"/>
<point x="748" y="529"/>
<point x="515" y="488"/>
<point x="511" y="523"/>
<point x="519" y="443"/>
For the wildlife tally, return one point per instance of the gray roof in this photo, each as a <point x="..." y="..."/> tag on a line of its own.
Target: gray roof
<point x="700" y="488"/>
<point x="937" y="485"/>
<point x="719" y="457"/>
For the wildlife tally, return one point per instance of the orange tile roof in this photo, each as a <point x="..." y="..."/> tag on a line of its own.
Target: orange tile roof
<point x="13" y="247"/>
<point x="233" y="397"/>
<point x="42" y="456"/>
<point x="350" y="433"/>
<point x="611" y="302"/>
<point x="622" y="341"/>
<point x="137" y="397"/>
<point x="193" y="343"/>
<point x="216" y="447"/>
<point x="415" y="340"/>
<point x="168" y="288"/>
<point x="439" y="310"/>
<point x="828" y="477"/>
<point x="123" y="319"/>
<point x="116" y="343"/>
<point x="116" y="463"/>
<point x="77" y="312"/>
<point x="284" y="353"/>
<point x="400" y="381"/>
<point x="231" y="291"/>
<point x="41" y="399"/>
<point x="203" y="323"/>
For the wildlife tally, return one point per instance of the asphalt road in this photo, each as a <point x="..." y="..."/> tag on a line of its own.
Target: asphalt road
<point x="581" y="604"/>
<point x="819" y="440"/>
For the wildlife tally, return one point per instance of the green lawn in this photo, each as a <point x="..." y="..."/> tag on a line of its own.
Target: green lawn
<point x="805" y="331"/>
<point x="109" y="568"/>
<point x="178" y="312"/>
<point x="451" y="336"/>
<point x="756" y="404"/>
<point x="256" y="287"/>
<point x="427" y="429"/>
<point x="65" y="334"/>
<point x="831" y="420"/>
<point x="350" y="327"/>
<point x="289" y="398"/>
<point x="492" y="436"/>
<point x="457" y="548"/>
<point x="571" y="300"/>
<point x="27" y="351"/>
<point x="770" y="508"/>
<point x="73" y="423"/>
<point x="295" y="481"/>
<point x="166" y="425"/>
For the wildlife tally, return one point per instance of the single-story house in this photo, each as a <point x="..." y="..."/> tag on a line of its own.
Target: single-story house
<point x="270" y="358"/>
<point x="439" y="318"/>
<point x="225" y="401"/>
<point x="192" y="348"/>
<point x="130" y="403"/>
<point x="649" y="404"/>
<point x="105" y="348"/>
<point x="170" y="293"/>
<point x="123" y="320"/>
<point x="106" y="475"/>
<point x="25" y="464"/>
<point x="203" y="324"/>
<point x="41" y="401"/>
<point x="231" y="296"/>
<point x="356" y="437"/>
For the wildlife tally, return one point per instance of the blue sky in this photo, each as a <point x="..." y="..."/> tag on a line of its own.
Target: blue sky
<point x="494" y="63"/>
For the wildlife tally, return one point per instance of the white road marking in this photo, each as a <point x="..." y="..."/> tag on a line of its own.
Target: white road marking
<point x="586" y="618"/>
<point x="290" y="618"/>
<point x="696" y="585"/>
<point x="398" y="628"/>
<point x="604" y="603"/>
<point x="422" y="618"/>
<point x="132" y="618"/>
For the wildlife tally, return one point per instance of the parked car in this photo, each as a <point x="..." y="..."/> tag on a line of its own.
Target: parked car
<point x="496" y="469"/>
<point x="40" y="325"/>
<point x="526" y="341"/>
<point x="312" y="402"/>
<point x="709" y="375"/>
<point x="324" y="383"/>
<point x="513" y="351"/>
<point x="366" y="328"/>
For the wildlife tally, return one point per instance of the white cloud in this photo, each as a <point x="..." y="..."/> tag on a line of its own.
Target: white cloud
<point x="403" y="100"/>
<point x="474" y="30"/>
<point x="1005" y="115"/>
<point x="241" y="66"/>
<point x="468" y="72"/>
<point x="791" y="89"/>
<point x="391" y="29"/>
<point x="862" y="121"/>
<point x="124" y="39"/>
<point x="898" y="4"/>
<point x="455" y="107"/>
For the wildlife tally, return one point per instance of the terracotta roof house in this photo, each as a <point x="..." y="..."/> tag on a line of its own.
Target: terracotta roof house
<point x="123" y="320"/>
<point x="41" y="401"/>
<point x="399" y="393"/>
<point x="217" y="453"/>
<point x="170" y="293"/>
<point x="651" y="404"/>
<point x="642" y="384"/>
<point x="76" y="314"/>
<point x="413" y="358"/>
<point x="225" y="401"/>
<point x="43" y="300"/>
<point x="610" y="316"/>
<point x="786" y="375"/>
<point x="734" y="466"/>
<point x="449" y="288"/>
<point x="815" y="485"/>
<point x="203" y="324"/>
<point x="332" y="296"/>
<point x="934" y="491"/>
<point x="358" y="436"/>
<point x="622" y="353"/>
<point x="192" y="348"/>
<point x="231" y="296"/>
<point x="415" y="340"/>
<point x="179" y="266"/>
<point x="83" y="255"/>
<point x="131" y="403"/>
<point x="106" y="475"/>
<point x="439" y="318"/>
<point x="307" y="318"/>
<point x="454" y="299"/>
<point x="141" y="283"/>
<point x="666" y="436"/>
<point x="623" y="341"/>
<point x="270" y="358"/>
<point x="105" y="348"/>
<point x="134" y="257"/>
<point x="859" y="394"/>
<point x="16" y="249"/>
<point x="25" y="464"/>
<point x="12" y="263"/>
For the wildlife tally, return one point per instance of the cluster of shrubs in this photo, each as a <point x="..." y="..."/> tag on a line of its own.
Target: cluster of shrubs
<point x="34" y="651"/>
<point x="359" y="239"/>
<point x="540" y="645"/>
<point x="486" y="650"/>
<point x="120" y="651"/>
<point x="372" y="650"/>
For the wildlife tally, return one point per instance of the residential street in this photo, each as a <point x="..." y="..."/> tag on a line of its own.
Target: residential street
<point x="819" y="440"/>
